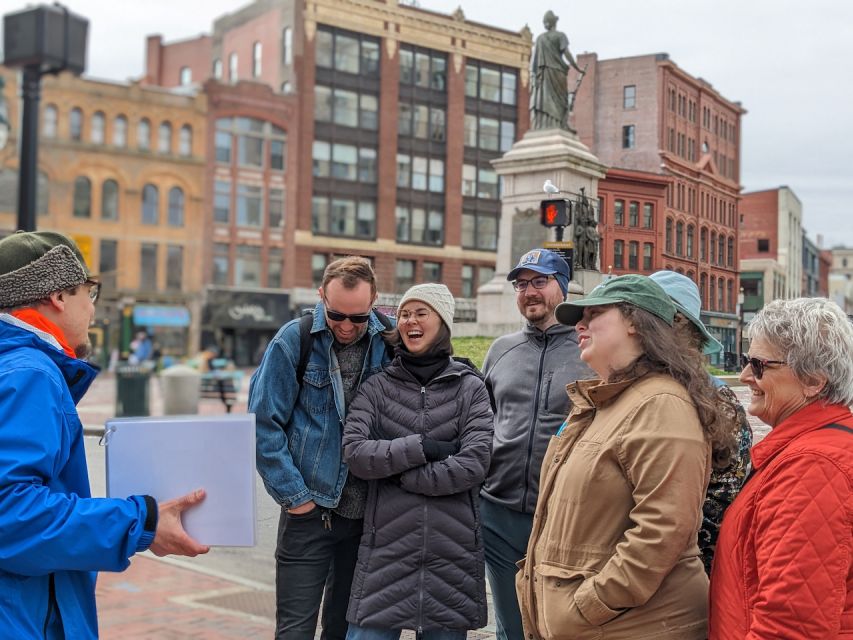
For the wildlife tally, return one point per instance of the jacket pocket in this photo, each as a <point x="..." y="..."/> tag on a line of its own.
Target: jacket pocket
<point x="316" y="391"/>
<point x="557" y="616"/>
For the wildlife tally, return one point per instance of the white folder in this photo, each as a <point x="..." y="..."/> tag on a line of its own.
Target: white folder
<point x="167" y="457"/>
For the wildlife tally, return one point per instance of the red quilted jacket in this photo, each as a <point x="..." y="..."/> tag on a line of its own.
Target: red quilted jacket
<point x="783" y="569"/>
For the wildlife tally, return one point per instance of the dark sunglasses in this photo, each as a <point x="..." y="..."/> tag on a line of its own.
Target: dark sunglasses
<point x="355" y="318"/>
<point x="757" y="364"/>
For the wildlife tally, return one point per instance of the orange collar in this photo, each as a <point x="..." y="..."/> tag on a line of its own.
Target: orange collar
<point x="38" y="321"/>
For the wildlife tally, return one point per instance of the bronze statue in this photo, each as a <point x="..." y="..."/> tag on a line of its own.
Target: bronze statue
<point x="550" y="102"/>
<point x="586" y="234"/>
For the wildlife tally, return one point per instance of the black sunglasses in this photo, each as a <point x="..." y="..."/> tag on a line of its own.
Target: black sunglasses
<point x="355" y="318"/>
<point x="758" y="365"/>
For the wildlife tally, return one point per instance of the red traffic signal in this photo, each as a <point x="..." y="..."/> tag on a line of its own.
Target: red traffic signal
<point x="555" y="213"/>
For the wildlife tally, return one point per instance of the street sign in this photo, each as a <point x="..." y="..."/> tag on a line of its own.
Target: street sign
<point x="565" y="249"/>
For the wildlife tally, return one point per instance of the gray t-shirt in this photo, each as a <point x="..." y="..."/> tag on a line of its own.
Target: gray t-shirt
<point x="351" y="362"/>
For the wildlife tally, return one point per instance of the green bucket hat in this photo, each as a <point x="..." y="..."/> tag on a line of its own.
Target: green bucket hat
<point x="34" y="264"/>
<point x="640" y="291"/>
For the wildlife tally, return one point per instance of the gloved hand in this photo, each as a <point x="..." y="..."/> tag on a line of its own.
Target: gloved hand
<point x="435" y="450"/>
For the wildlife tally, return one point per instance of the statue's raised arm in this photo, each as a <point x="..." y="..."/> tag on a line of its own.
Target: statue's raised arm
<point x="549" y="68"/>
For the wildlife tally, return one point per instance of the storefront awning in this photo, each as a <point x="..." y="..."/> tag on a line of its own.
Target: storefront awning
<point x="150" y="315"/>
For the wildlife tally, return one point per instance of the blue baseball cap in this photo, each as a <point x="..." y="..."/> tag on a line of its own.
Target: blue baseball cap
<point x="541" y="261"/>
<point x="685" y="295"/>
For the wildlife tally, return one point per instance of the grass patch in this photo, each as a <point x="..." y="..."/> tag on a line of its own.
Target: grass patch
<point x="473" y="348"/>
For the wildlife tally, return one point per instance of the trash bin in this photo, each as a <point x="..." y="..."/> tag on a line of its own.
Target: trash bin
<point x="181" y="386"/>
<point x="132" y="390"/>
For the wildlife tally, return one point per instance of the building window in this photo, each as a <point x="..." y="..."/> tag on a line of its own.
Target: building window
<point x="349" y="53"/>
<point x="731" y="255"/>
<point x="488" y="185"/>
<point x="480" y="230"/>
<point x="423" y="68"/>
<point x="404" y="276"/>
<point x="619" y="212"/>
<point x="50" y="121"/>
<point x="120" y="131"/>
<point x="721" y="250"/>
<point x="629" y="96"/>
<point x="164" y="138"/>
<point x="109" y="200"/>
<point x="257" y="55"/>
<point x="343" y="217"/>
<point x="75" y="123"/>
<point x="278" y="150"/>
<point x="222" y="202"/>
<point x="491" y="84"/>
<point x="275" y="206"/>
<point x="628" y="136"/>
<point x="763" y="245"/>
<point x="82" y="197"/>
<point x="633" y="251"/>
<point x="720" y="293"/>
<point x="679" y="238"/>
<point x="287" y="46"/>
<point x="174" y="267"/>
<point x="148" y="267"/>
<point x="251" y="136"/>
<point x="633" y="214"/>
<point x="703" y="244"/>
<point x="648" y="215"/>
<point x="690" y="240"/>
<point x="467" y="281"/>
<point x="618" y="254"/>
<point x="507" y="135"/>
<point x="217" y="69"/>
<point x="176" y="207"/>
<point x="232" y="68"/>
<point x="712" y="296"/>
<point x="712" y="249"/>
<point x="185" y="141"/>
<point x="223" y="147"/>
<point x="247" y="266"/>
<point x="275" y="259"/>
<point x="143" y="135"/>
<point x="220" y="273"/>
<point x="669" y="235"/>
<point x="469" y="180"/>
<point x="431" y="271"/>
<point x="419" y="226"/>
<point x="318" y="267"/>
<point x="108" y="264"/>
<point x="150" y="204"/>
<point x="421" y="121"/>
<point x="249" y="205"/>
<point x="186" y="77"/>
<point x="648" y="250"/>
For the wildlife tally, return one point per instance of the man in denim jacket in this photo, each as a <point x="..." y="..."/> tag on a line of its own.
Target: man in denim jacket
<point x="299" y="448"/>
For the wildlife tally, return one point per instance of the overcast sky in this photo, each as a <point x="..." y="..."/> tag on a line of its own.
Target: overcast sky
<point x="784" y="60"/>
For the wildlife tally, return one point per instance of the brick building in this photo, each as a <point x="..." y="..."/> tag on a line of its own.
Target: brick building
<point x="121" y="169"/>
<point x="397" y="113"/>
<point x="670" y="199"/>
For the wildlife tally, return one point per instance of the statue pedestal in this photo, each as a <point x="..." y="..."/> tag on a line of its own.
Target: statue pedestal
<point x="544" y="154"/>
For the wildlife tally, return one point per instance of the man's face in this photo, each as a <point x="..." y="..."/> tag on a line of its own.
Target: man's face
<point x="537" y="305"/>
<point x="357" y="301"/>
<point x="76" y="317"/>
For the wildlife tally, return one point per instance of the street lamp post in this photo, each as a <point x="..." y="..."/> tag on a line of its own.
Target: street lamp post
<point x="42" y="40"/>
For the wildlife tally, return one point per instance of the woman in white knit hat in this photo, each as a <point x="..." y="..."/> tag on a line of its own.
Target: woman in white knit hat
<point x="421" y="433"/>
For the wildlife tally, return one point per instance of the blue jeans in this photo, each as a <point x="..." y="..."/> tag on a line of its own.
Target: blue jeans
<point x="371" y="633"/>
<point x="505" y="536"/>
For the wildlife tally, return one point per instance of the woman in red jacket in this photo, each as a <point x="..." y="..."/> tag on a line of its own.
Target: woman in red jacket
<point x="783" y="568"/>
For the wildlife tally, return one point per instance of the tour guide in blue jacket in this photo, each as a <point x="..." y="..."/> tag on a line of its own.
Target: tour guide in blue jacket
<point x="53" y="534"/>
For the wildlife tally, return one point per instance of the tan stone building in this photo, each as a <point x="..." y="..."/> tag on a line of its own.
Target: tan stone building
<point x="122" y="170"/>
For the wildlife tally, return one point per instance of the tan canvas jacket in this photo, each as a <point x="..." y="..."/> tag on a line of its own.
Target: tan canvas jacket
<point x="613" y="552"/>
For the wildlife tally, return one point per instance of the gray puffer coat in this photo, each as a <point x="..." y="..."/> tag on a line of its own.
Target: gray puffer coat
<point x="420" y="563"/>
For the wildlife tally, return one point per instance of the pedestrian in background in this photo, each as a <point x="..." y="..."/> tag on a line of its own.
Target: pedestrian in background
<point x="526" y="375"/>
<point x="53" y="535"/>
<point x="421" y="433"/>
<point x="613" y="552"/>
<point x="730" y="456"/>
<point x="784" y="561"/>
<point x="299" y="457"/>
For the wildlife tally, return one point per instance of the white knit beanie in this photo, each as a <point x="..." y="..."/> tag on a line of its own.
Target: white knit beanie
<point x="437" y="296"/>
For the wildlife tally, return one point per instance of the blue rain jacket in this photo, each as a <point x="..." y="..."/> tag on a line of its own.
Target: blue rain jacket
<point x="53" y="534"/>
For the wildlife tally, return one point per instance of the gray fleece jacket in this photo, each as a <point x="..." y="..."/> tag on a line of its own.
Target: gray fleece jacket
<point x="526" y="376"/>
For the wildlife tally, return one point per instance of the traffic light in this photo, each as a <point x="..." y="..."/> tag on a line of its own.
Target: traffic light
<point x="555" y="213"/>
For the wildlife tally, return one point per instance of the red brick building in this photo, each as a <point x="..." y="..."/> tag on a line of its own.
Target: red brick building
<point x="396" y="114"/>
<point x="670" y="200"/>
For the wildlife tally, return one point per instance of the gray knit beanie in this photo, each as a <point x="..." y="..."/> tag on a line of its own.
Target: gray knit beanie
<point x="34" y="264"/>
<point x="437" y="296"/>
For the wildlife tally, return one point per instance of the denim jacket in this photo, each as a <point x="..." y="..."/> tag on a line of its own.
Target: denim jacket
<point x="299" y="438"/>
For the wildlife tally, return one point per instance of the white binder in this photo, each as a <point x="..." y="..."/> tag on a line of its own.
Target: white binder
<point x="167" y="457"/>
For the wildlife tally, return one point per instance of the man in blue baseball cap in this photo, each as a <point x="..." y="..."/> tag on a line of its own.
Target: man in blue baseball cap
<point x="526" y="374"/>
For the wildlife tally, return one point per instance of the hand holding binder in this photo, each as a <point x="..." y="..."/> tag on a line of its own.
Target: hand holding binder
<point x="171" y="539"/>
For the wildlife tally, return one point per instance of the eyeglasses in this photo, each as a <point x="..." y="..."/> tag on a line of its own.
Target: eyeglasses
<point x="94" y="290"/>
<point x="539" y="282"/>
<point x="758" y="365"/>
<point x="418" y="314"/>
<point x="337" y="316"/>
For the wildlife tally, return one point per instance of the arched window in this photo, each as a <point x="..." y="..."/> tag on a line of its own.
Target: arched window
<point x="176" y="207"/>
<point x="96" y="135"/>
<point x="730" y="286"/>
<point x="731" y="255"/>
<point x="713" y="247"/>
<point x="143" y="135"/>
<point x="185" y="141"/>
<point x="50" y="121"/>
<point x="669" y="235"/>
<point x="150" y="204"/>
<point x="256" y="59"/>
<point x="217" y="69"/>
<point x="109" y="200"/>
<point x="75" y="124"/>
<point x="703" y="289"/>
<point x="232" y="68"/>
<point x="120" y="131"/>
<point x="82" y="197"/>
<point x="690" y="241"/>
<point x="712" y="296"/>
<point x="164" y="138"/>
<point x="703" y="244"/>
<point x="721" y="250"/>
<point x="185" y="76"/>
<point x="287" y="46"/>
<point x="721" y="290"/>
<point x="679" y="238"/>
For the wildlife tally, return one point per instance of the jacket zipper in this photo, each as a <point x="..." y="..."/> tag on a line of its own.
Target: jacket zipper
<point x="51" y="603"/>
<point x="532" y="434"/>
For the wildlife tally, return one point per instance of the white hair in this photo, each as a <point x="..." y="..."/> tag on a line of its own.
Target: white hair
<point x="816" y="340"/>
